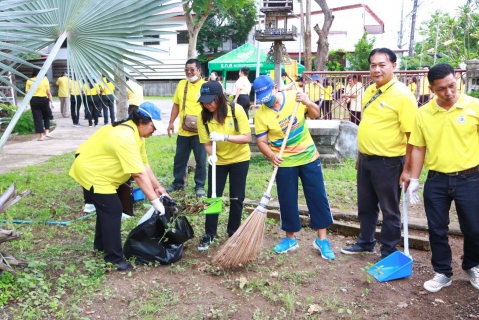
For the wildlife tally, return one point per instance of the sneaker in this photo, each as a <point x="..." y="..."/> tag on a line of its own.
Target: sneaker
<point x="205" y="242"/>
<point x="172" y="188"/>
<point x="125" y="266"/>
<point x="286" y="245"/>
<point x="473" y="275"/>
<point x="324" y="248"/>
<point x="89" y="208"/>
<point x="356" y="249"/>
<point x="437" y="283"/>
<point x="200" y="192"/>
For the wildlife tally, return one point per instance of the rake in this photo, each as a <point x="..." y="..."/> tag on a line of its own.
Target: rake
<point x="245" y="243"/>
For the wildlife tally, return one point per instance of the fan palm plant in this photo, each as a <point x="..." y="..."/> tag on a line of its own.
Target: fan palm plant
<point x="103" y="37"/>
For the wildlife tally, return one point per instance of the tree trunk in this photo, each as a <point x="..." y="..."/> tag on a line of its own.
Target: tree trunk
<point x="323" y="44"/>
<point x="121" y="95"/>
<point x="193" y="29"/>
<point x="413" y="30"/>
<point x="307" y="38"/>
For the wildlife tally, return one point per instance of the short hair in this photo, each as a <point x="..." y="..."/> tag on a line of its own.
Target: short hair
<point x="440" y="71"/>
<point x="284" y="74"/>
<point x="426" y="66"/>
<point x="35" y="72"/>
<point x="245" y="71"/>
<point x="195" y="61"/>
<point x="389" y="52"/>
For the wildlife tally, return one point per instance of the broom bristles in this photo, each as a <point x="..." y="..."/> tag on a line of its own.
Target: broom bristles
<point x="245" y="243"/>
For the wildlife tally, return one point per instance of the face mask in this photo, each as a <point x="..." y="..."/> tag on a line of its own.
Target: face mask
<point x="270" y="102"/>
<point x="193" y="79"/>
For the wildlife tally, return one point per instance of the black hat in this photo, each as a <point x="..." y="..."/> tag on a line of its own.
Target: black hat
<point x="209" y="91"/>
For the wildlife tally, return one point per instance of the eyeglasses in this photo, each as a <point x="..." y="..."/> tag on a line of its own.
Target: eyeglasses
<point x="192" y="70"/>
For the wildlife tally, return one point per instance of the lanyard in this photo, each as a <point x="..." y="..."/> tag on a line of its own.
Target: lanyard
<point x="377" y="95"/>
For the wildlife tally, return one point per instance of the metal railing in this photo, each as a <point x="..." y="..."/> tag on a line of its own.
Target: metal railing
<point x="338" y="105"/>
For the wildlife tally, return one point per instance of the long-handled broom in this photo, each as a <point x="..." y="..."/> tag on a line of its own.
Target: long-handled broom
<point x="245" y="243"/>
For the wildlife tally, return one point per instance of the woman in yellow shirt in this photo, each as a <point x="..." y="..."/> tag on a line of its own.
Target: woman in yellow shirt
<point x="230" y="129"/>
<point x="40" y="104"/>
<point x="243" y="89"/>
<point x="328" y="99"/>
<point x="93" y="102"/>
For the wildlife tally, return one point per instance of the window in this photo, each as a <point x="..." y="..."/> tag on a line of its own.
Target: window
<point x="182" y="37"/>
<point x="235" y="44"/>
<point x="152" y="43"/>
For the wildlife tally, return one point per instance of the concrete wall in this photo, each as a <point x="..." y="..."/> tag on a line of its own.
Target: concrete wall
<point x="336" y="140"/>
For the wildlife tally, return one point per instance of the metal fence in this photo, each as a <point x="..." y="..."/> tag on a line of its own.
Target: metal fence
<point x="340" y="93"/>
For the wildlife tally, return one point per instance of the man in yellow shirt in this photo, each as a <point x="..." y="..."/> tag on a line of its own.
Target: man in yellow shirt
<point x="186" y="105"/>
<point x="424" y="92"/>
<point x="62" y="84"/>
<point x="447" y="130"/>
<point x="388" y="115"/>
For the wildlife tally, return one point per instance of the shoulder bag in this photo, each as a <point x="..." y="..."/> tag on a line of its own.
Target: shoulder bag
<point x="190" y="122"/>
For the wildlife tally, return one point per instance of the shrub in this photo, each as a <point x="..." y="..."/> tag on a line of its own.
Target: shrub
<point x="25" y="124"/>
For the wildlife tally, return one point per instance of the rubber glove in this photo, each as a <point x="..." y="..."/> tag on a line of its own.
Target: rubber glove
<point x="215" y="136"/>
<point x="158" y="206"/>
<point x="212" y="159"/>
<point x="412" y="191"/>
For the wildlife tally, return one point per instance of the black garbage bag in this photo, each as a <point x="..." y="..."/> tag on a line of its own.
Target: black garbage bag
<point x="149" y="243"/>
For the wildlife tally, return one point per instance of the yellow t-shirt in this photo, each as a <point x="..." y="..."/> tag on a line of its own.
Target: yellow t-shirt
<point x="192" y="106"/>
<point x="424" y="86"/>
<point x="75" y="88"/>
<point x="62" y="84"/>
<point x="460" y="85"/>
<point x="243" y="84"/>
<point x="108" y="89"/>
<point x="386" y="120"/>
<point x="451" y="137"/>
<point x="228" y="152"/>
<point x="314" y="91"/>
<point x="328" y="93"/>
<point x="91" y="91"/>
<point x="412" y="86"/>
<point x="135" y="93"/>
<point x="109" y="157"/>
<point x="300" y="148"/>
<point x="42" y="88"/>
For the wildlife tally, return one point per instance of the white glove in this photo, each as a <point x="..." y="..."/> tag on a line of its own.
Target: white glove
<point x="215" y="136"/>
<point x="412" y="191"/>
<point x="158" y="206"/>
<point x="212" y="159"/>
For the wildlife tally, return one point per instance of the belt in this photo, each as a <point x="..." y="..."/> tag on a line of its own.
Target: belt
<point x="458" y="173"/>
<point x="373" y="157"/>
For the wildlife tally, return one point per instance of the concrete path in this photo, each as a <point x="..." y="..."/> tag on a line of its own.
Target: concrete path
<point x="66" y="138"/>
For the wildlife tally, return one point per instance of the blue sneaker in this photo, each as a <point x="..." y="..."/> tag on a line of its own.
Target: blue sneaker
<point x="324" y="248"/>
<point x="286" y="245"/>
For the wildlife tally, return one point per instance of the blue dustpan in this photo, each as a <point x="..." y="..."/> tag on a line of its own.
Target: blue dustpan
<point x="397" y="265"/>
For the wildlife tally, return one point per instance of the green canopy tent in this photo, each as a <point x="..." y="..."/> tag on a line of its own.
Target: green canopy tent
<point x="244" y="56"/>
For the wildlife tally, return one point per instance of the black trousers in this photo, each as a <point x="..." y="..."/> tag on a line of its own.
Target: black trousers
<point x="326" y="108"/>
<point x="243" y="100"/>
<point x="378" y="188"/>
<point x="108" y="106"/>
<point x="41" y="113"/>
<point x="108" y="225"/>
<point x="75" y="105"/>
<point x="237" y="174"/>
<point x="355" y="117"/>
<point x="92" y="109"/>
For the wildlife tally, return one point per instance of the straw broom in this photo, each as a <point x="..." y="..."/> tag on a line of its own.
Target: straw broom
<point x="245" y="243"/>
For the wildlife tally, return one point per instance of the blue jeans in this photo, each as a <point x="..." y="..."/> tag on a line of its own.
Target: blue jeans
<point x="108" y="105"/>
<point x="439" y="191"/>
<point x="184" y="146"/>
<point x="378" y="188"/>
<point x="311" y="176"/>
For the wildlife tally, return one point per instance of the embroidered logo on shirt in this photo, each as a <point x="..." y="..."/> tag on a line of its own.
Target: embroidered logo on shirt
<point x="461" y="119"/>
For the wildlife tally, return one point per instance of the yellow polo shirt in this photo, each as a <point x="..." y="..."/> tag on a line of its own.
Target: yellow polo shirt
<point x="328" y="93"/>
<point x="412" y="86"/>
<point x="135" y="93"/>
<point x="75" y="88"/>
<point x="108" y="89"/>
<point x="314" y="92"/>
<point x="228" y="152"/>
<point x="192" y="107"/>
<point x="451" y="137"/>
<point x="91" y="91"/>
<point x="424" y="86"/>
<point x="42" y="88"/>
<point x="62" y="84"/>
<point x="386" y="120"/>
<point x="109" y="157"/>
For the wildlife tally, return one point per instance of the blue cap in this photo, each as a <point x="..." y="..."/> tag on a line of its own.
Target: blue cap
<point x="263" y="86"/>
<point x="315" y="77"/>
<point x="148" y="109"/>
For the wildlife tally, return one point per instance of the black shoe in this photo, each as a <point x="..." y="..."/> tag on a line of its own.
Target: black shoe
<point x="356" y="249"/>
<point x="205" y="242"/>
<point x="125" y="266"/>
<point x="172" y="188"/>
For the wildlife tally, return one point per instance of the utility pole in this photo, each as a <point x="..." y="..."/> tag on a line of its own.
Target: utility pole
<point x="401" y="27"/>
<point x="413" y="27"/>
<point x="437" y="36"/>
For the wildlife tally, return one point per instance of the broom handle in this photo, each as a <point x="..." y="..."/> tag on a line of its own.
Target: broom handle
<point x="283" y="146"/>
<point x="406" y="225"/>
<point x="213" y="171"/>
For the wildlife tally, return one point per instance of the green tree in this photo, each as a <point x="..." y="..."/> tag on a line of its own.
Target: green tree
<point x="102" y="37"/>
<point x="219" y="28"/>
<point x="359" y="59"/>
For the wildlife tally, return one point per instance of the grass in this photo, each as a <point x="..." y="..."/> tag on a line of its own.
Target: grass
<point x="64" y="278"/>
